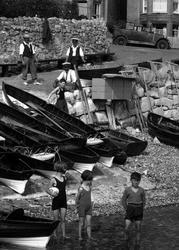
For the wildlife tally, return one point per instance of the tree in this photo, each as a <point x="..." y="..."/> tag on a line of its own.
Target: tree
<point x="41" y="8"/>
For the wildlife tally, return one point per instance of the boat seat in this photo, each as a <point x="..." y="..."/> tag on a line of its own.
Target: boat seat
<point x="16" y="214"/>
<point x="160" y="120"/>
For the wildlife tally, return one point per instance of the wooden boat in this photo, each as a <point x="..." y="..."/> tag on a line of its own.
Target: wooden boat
<point x="98" y="71"/>
<point x="74" y="126"/>
<point x="70" y="123"/>
<point x="82" y="157"/>
<point x="26" y="231"/>
<point x="14" y="173"/>
<point x="14" y="137"/>
<point x="16" y="118"/>
<point x="130" y="144"/>
<point x="39" y="167"/>
<point x="165" y="129"/>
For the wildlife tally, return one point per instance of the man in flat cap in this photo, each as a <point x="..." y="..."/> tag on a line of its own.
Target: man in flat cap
<point x="75" y="54"/>
<point x="27" y="55"/>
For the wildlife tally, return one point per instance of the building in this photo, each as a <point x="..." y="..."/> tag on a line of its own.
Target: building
<point x="162" y="15"/>
<point x="109" y="10"/>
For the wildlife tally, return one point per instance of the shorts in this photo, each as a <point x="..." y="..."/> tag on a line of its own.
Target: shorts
<point x="134" y="212"/>
<point x="84" y="210"/>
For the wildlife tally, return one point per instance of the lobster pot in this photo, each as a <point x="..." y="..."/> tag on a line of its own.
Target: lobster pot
<point x="91" y="104"/>
<point x="86" y="82"/>
<point x="71" y="108"/>
<point x="101" y="117"/>
<point x="79" y="108"/>
<point x="88" y="91"/>
<point x="69" y="97"/>
<point x="77" y="94"/>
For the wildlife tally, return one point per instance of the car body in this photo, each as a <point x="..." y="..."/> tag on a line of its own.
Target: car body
<point x="137" y="34"/>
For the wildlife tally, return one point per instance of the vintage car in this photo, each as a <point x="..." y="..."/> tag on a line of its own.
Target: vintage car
<point x="137" y="34"/>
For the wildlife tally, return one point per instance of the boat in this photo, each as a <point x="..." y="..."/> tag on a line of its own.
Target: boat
<point x="130" y="144"/>
<point x="14" y="173"/>
<point x="21" y="120"/>
<point x="107" y="150"/>
<point x="98" y="71"/>
<point x="82" y="157"/>
<point x="165" y="129"/>
<point x="19" y="229"/>
<point x="14" y="137"/>
<point x="70" y="123"/>
<point x="72" y="148"/>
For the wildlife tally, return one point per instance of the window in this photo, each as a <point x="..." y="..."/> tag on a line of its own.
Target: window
<point x="97" y="8"/>
<point x="144" y="6"/>
<point x="176" y="6"/>
<point x="160" y="6"/>
<point x="175" y="32"/>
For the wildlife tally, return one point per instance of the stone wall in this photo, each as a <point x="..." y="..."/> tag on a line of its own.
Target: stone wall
<point x="92" y="34"/>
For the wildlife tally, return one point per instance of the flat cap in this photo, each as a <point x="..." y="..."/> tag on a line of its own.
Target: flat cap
<point x="66" y="64"/>
<point x="26" y="35"/>
<point x="75" y="38"/>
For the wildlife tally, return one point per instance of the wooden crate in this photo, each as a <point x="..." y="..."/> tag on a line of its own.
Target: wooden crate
<point x="114" y="88"/>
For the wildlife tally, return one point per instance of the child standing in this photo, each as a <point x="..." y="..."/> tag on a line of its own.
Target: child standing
<point x="59" y="202"/>
<point x="84" y="202"/>
<point x="133" y="201"/>
<point x="59" y="93"/>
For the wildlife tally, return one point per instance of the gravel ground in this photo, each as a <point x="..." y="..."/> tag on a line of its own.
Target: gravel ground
<point x="160" y="161"/>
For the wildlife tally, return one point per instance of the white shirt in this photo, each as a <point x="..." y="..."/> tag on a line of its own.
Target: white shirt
<point x="69" y="76"/>
<point x="21" y="48"/>
<point x="74" y="51"/>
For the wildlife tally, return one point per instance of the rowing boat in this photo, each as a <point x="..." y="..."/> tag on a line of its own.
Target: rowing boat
<point x="19" y="229"/>
<point x="14" y="173"/>
<point x="107" y="150"/>
<point x="165" y="129"/>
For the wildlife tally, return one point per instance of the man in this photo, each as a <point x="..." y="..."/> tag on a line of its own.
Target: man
<point x="27" y="54"/>
<point x="75" y="54"/>
<point x="67" y="74"/>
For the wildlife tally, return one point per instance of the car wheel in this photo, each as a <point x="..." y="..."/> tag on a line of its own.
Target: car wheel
<point x="120" y="40"/>
<point x="162" y="44"/>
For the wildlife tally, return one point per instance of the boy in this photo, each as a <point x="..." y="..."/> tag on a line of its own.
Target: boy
<point x="133" y="201"/>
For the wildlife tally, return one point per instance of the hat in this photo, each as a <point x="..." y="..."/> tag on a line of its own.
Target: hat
<point x="66" y="64"/>
<point x="26" y="35"/>
<point x="75" y="38"/>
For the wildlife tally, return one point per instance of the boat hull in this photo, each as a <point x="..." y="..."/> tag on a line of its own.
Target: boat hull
<point x="22" y="230"/>
<point x="16" y="185"/>
<point x="37" y="242"/>
<point x="165" y="129"/>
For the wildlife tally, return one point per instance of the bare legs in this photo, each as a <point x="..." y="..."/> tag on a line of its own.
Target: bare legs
<point x="127" y="224"/>
<point x="87" y="222"/>
<point x="62" y="213"/>
<point x="138" y="229"/>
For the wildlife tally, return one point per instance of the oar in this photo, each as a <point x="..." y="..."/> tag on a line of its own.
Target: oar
<point x="84" y="98"/>
<point x="46" y="116"/>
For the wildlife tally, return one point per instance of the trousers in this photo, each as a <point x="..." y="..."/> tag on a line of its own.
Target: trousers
<point x="29" y="65"/>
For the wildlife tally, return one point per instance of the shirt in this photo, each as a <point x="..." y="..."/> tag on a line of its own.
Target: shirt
<point x="21" y="48"/>
<point x="74" y="51"/>
<point x="69" y="76"/>
<point x="129" y="196"/>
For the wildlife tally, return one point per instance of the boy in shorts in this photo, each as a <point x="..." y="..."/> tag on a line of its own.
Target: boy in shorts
<point x="133" y="201"/>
